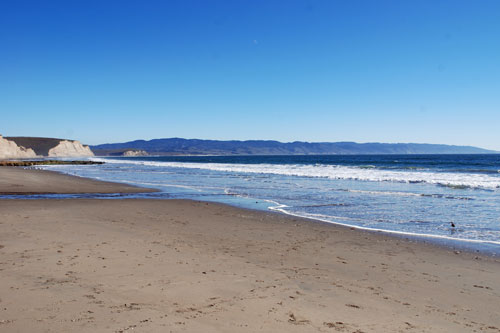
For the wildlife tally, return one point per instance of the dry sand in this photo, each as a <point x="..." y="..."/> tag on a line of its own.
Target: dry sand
<point x="85" y="265"/>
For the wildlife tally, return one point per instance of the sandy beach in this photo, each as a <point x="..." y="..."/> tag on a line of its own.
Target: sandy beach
<point x="31" y="181"/>
<point x="88" y="265"/>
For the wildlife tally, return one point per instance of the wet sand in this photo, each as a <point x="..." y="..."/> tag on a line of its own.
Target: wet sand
<point x="15" y="180"/>
<point x="91" y="265"/>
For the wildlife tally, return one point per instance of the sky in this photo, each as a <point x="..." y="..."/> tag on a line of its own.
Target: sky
<point x="365" y="71"/>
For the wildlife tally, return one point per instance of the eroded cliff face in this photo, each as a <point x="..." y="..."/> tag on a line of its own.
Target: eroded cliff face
<point x="133" y="153"/>
<point x="67" y="148"/>
<point x="9" y="149"/>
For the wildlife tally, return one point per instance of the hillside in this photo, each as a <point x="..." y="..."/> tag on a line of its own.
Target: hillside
<point x="179" y="146"/>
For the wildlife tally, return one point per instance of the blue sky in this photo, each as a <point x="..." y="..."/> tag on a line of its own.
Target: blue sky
<point x="387" y="71"/>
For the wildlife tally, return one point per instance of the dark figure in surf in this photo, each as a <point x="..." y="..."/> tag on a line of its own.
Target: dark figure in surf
<point x="452" y="231"/>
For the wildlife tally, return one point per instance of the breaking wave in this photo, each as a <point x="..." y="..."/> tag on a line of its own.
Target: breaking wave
<point x="448" y="179"/>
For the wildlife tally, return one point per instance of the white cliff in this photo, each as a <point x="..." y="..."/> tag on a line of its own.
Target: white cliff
<point x="9" y="149"/>
<point x="67" y="148"/>
<point x="132" y="153"/>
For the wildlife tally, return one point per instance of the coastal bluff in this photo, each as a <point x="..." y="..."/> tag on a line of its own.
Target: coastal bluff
<point x="30" y="147"/>
<point x="70" y="148"/>
<point x="134" y="153"/>
<point x="9" y="149"/>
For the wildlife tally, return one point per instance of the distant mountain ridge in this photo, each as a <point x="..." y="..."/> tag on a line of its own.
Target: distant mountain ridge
<point x="180" y="146"/>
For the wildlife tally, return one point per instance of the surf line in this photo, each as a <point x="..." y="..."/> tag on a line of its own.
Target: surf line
<point x="280" y="208"/>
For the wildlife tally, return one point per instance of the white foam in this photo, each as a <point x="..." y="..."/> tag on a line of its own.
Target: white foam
<point x="482" y="181"/>
<point x="156" y="185"/>
<point x="327" y="219"/>
<point x="403" y="194"/>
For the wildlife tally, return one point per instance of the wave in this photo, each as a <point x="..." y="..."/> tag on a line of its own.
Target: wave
<point x="448" y="179"/>
<point x="488" y="171"/>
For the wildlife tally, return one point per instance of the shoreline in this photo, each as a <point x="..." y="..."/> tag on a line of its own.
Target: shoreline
<point x="488" y="248"/>
<point x="153" y="265"/>
<point x="93" y="186"/>
<point x="20" y="181"/>
<point x="181" y="265"/>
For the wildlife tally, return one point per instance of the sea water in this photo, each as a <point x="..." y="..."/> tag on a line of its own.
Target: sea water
<point x="420" y="195"/>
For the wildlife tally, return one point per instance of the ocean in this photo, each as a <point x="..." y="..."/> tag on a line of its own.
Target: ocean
<point x="410" y="195"/>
